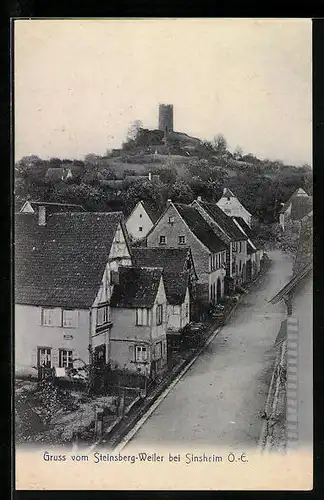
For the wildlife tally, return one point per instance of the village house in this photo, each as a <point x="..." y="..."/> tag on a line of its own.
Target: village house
<point x="141" y="220"/>
<point x="254" y="253"/>
<point x="233" y="237"/>
<point x="139" y="314"/>
<point x="231" y="205"/>
<point x="65" y="269"/>
<point x="56" y="174"/>
<point x="182" y="225"/>
<point x="179" y="278"/>
<point x="298" y="205"/>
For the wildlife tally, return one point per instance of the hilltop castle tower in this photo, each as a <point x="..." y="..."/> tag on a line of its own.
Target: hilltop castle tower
<point x="166" y="117"/>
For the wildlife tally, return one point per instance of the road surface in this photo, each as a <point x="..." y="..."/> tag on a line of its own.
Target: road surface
<point x="220" y="399"/>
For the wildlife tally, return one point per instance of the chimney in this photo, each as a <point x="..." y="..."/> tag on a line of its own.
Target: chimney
<point x="168" y="203"/>
<point x="150" y="176"/>
<point x="199" y="198"/>
<point x="42" y="216"/>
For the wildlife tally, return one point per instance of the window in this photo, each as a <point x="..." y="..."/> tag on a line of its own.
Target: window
<point x="142" y="317"/>
<point x="159" y="314"/>
<point x="158" y="350"/>
<point x="176" y="310"/>
<point x="187" y="310"/>
<point x="140" y="228"/>
<point x="171" y="220"/>
<point x="48" y="317"/>
<point x="140" y="216"/>
<point x="70" y="318"/>
<point x="182" y="240"/>
<point x="162" y="240"/>
<point x="65" y="358"/>
<point x="211" y="293"/>
<point x="102" y="315"/>
<point x="44" y="357"/>
<point x="118" y="236"/>
<point x="140" y="354"/>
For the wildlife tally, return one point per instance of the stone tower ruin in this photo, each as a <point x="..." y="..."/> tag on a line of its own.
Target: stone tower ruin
<point x="166" y="117"/>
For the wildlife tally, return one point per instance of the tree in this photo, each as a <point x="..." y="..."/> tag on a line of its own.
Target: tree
<point x="220" y="144"/>
<point x="181" y="192"/>
<point x="133" y="130"/>
<point x="238" y="153"/>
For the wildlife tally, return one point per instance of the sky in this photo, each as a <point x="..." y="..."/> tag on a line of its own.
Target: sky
<point x="79" y="84"/>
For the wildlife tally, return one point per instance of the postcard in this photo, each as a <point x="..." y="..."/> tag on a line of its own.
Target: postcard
<point x="163" y="254"/>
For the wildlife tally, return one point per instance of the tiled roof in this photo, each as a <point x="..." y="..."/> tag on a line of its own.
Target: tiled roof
<point x="62" y="264"/>
<point x="170" y="259"/>
<point x="246" y="228"/>
<point x="151" y="210"/>
<point x="301" y="205"/>
<point x="200" y="228"/>
<point x="176" y="285"/>
<point x="137" y="287"/>
<point x="174" y="264"/>
<point x="299" y="193"/>
<point x="56" y="207"/>
<point x="223" y="220"/>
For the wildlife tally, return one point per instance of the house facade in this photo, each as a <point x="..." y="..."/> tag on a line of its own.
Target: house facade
<point x="234" y="238"/>
<point x="139" y="317"/>
<point x="231" y="205"/>
<point x="64" y="272"/>
<point x="182" y="225"/>
<point x="140" y="221"/>
<point x="180" y="281"/>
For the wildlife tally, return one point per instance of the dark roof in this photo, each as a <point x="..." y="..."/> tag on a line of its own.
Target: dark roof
<point x="293" y="283"/>
<point x="175" y="271"/>
<point x="151" y="210"/>
<point x="223" y="220"/>
<point x="56" y="207"/>
<point x="170" y="259"/>
<point x="298" y="193"/>
<point x="62" y="264"/>
<point x="301" y="206"/>
<point x="304" y="253"/>
<point x="112" y="183"/>
<point x="176" y="285"/>
<point x="200" y="228"/>
<point x="246" y="228"/>
<point x="137" y="287"/>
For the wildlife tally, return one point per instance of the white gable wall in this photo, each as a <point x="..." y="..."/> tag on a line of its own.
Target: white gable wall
<point x="138" y="219"/>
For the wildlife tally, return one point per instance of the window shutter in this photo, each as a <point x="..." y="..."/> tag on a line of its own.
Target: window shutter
<point x="55" y="357"/>
<point x="40" y="316"/>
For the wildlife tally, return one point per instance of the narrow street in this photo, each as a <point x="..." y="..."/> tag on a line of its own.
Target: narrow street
<point x="221" y="398"/>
